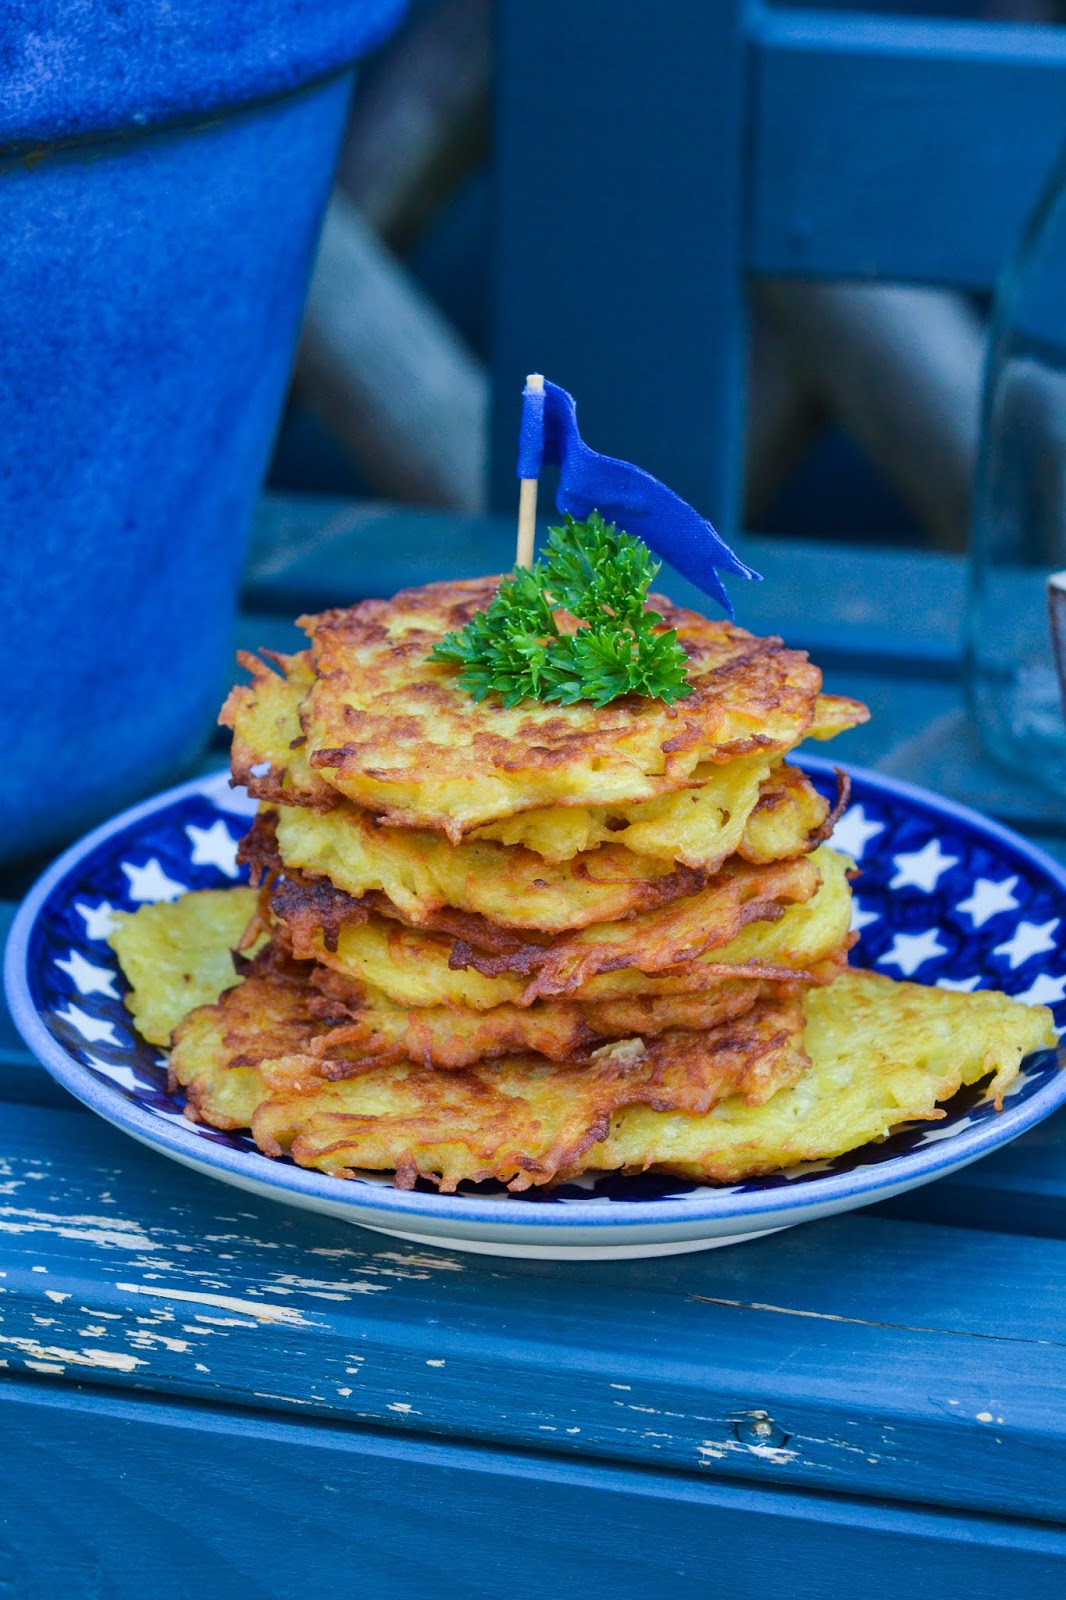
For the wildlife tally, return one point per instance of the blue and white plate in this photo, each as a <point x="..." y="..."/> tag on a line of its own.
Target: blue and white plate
<point x="945" y="897"/>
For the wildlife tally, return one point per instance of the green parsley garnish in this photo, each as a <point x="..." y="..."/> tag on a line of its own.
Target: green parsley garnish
<point x="602" y="577"/>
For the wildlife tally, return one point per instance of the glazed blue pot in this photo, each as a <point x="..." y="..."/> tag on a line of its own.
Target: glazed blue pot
<point x="164" y="167"/>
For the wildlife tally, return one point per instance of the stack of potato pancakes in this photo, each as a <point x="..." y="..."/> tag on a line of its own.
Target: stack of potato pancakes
<point x="524" y="944"/>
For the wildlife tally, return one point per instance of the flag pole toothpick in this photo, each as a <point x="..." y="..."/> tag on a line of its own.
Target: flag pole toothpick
<point x="527" y="497"/>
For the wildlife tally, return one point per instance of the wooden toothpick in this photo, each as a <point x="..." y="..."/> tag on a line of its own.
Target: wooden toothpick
<point x="527" y="497"/>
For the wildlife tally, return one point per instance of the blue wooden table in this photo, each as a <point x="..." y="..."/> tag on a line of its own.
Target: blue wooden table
<point x="208" y="1394"/>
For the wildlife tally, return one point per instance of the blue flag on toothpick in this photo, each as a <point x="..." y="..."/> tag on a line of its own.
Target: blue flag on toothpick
<point x="622" y="493"/>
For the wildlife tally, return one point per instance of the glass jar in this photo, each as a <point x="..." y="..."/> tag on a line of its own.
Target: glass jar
<point x="1019" y="515"/>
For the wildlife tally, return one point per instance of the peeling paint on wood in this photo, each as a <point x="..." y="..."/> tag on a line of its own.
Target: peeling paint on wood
<point x="282" y="1315"/>
<point x="811" y="1360"/>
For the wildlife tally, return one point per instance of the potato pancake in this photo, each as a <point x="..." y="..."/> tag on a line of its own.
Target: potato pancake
<point x="415" y="967"/>
<point x="366" y="1026"/>
<point x="697" y="825"/>
<point x="520" y="1120"/>
<point x="350" y="1025"/>
<point x="420" y="872"/>
<point x="881" y="1054"/>
<point x="180" y="955"/>
<point x="394" y="731"/>
<point x="218" y="1048"/>
<point x="269" y="751"/>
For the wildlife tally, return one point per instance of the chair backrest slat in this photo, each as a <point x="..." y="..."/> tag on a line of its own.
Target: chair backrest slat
<point x="892" y="148"/>
<point x="648" y="157"/>
<point x="618" y="230"/>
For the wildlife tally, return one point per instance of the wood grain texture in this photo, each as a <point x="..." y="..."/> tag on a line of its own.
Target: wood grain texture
<point x="895" y="1360"/>
<point x="897" y="148"/>
<point x="107" y="1499"/>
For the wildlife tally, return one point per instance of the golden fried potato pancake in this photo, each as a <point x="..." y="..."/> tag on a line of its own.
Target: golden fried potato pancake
<point x="366" y="1026"/>
<point x="420" y="872"/>
<point x="881" y="1054"/>
<point x="657" y="954"/>
<point x="269" y="751"/>
<point x="656" y="941"/>
<point x="179" y="954"/>
<point x="789" y="808"/>
<point x="317" y="916"/>
<point x="520" y="1120"/>
<point x="697" y="826"/>
<point x="218" y="1048"/>
<point x="394" y="732"/>
<point x="701" y="824"/>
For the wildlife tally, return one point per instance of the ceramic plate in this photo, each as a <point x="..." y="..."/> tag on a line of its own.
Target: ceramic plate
<point x="945" y="897"/>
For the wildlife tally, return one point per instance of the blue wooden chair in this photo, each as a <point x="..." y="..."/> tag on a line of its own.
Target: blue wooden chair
<point x="650" y="157"/>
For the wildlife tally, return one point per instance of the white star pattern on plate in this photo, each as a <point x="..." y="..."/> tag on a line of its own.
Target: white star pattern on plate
<point x="1028" y="939"/>
<point x="125" y="1077"/>
<point x="988" y="899"/>
<point x="922" y="869"/>
<point x="1043" y="991"/>
<point x="92" y="1029"/>
<point x="99" y="920"/>
<point x="213" y="847"/>
<point x="912" y="950"/>
<point x="945" y="1130"/>
<point x="150" y="883"/>
<point x="807" y="1169"/>
<point x="861" y="919"/>
<point x="171" y="1114"/>
<point x="959" y="985"/>
<point x="702" y="1192"/>
<point x="853" y="832"/>
<point x="87" y="978"/>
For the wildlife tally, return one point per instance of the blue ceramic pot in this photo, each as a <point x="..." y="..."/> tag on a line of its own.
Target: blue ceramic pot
<point x="164" y="165"/>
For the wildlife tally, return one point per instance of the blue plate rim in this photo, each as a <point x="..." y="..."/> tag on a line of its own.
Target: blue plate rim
<point x="835" y="1191"/>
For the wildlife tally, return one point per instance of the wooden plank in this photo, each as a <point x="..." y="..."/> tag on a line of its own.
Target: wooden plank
<point x="393" y="379"/>
<point x="618" y="155"/>
<point x="848" y="605"/>
<point x="898" y="148"/>
<point x="105" y="1496"/>
<point x="420" y="119"/>
<point x="889" y="1359"/>
<point x="899" y="368"/>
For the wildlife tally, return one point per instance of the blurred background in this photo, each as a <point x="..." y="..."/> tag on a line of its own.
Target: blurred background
<point x="862" y="399"/>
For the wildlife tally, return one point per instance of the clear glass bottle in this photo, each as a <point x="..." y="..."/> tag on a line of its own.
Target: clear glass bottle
<point x="1019" y="513"/>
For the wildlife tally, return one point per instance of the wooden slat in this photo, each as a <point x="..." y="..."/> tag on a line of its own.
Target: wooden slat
<point x="897" y="148"/>
<point x="618" y="148"/>
<point x="107" y="1497"/>
<point x="393" y="379"/>
<point x="846" y="604"/>
<point x="888" y="1359"/>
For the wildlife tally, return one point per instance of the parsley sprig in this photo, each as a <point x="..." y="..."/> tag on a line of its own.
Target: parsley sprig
<point x="601" y="576"/>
